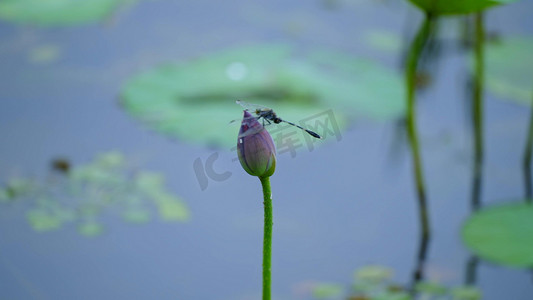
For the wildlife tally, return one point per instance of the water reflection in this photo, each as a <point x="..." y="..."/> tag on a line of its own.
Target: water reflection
<point x="471" y="265"/>
<point x="420" y="262"/>
<point x="526" y="161"/>
<point x="477" y="110"/>
<point x="413" y="57"/>
<point x="417" y="48"/>
<point x="476" y="113"/>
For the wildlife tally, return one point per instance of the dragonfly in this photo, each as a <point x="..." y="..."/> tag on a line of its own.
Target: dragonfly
<point x="268" y="115"/>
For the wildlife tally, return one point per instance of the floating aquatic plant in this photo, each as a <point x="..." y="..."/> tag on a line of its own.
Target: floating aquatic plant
<point x="502" y="234"/>
<point x="81" y="194"/>
<point x="509" y="68"/>
<point x="456" y="7"/>
<point x="194" y="100"/>
<point x="44" y="54"/>
<point x="328" y="291"/>
<point x="58" y="12"/>
<point x="375" y="282"/>
<point x="384" y="41"/>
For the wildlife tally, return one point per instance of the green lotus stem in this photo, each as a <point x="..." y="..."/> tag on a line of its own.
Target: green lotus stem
<point x="257" y="155"/>
<point x="415" y="50"/>
<point x="527" y="157"/>
<point x="477" y="111"/>
<point x="267" y="236"/>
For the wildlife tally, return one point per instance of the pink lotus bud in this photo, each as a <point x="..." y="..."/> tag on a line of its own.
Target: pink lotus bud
<point x="255" y="148"/>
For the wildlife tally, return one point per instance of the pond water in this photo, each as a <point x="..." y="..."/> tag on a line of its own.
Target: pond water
<point x="344" y="205"/>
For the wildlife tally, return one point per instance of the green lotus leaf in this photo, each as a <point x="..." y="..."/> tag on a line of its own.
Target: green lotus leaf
<point x="19" y="186"/>
<point x="393" y="296"/>
<point x="195" y="100"/>
<point x="466" y="293"/>
<point x="43" y="221"/>
<point x="90" y="229"/>
<point x="150" y="183"/>
<point x="431" y="288"/>
<point x="94" y="174"/>
<point x="58" y="12"/>
<point x="456" y="7"/>
<point x="509" y="69"/>
<point x="44" y="54"/>
<point x="136" y="215"/>
<point x="112" y="159"/>
<point x="385" y="41"/>
<point x="327" y="290"/>
<point x="375" y="274"/>
<point x="4" y="195"/>
<point x="171" y="208"/>
<point x="502" y="234"/>
<point x="89" y="210"/>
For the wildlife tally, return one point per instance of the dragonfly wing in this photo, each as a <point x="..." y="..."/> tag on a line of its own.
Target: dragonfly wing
<point x="239" y="120"/>
<point x="252" y="107"/>
<point x="251" y="131"/>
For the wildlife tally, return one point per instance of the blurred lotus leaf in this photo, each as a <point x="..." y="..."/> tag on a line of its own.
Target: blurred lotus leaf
<point x="80" y="196"/>
<point x="41" y="220"/>
<point x="4" y="195"/>
<point x="373" y="283"/>
<point x="44" y="54"/>
<point x="509" y="69"/>
<point x="327" y="291"/>
<point x="110" y="160"/>
<point x="385" y="41"/>
<point x="431" y="288"/>
<point x="195" y="100"/>
<point x="502" y="234"/>
<point x="90" y="228"/>
<point x="150" y="183"/>
<point x="393" y="295"/>
<point x="136" y="215"/>
<point x="171" y="208"/>
<point x="374" y="273"/>
<point x="455" y="7"/>
<point x="466" y="293"/>
<point x="14" y="187"/>
<point x="58" y="12"/>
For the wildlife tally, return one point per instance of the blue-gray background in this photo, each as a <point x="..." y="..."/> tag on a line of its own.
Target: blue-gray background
<point x="347" y="204"/>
